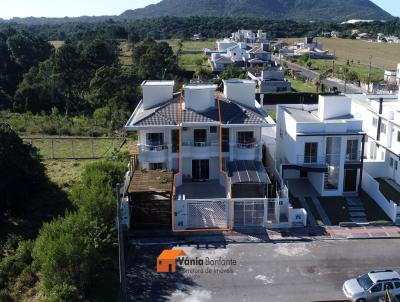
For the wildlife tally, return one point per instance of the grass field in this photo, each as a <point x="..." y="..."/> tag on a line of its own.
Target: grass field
<point x="126" y="53"/>
<point x="65" y="173"/>
<point x="299" y="86"/>
<point x="56" y="44"/>
<point x="362" y="70"/>
<point x="69" y="148"/>
<point x="384" y="56"/>
<point x="191" y="45"/>
<point x="188" y="61"/>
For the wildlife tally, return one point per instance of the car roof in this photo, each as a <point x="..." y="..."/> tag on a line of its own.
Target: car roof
<point x="383" y="275"/>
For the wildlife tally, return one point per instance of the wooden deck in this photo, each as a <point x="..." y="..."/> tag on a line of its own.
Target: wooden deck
<point x="151" y="181"/>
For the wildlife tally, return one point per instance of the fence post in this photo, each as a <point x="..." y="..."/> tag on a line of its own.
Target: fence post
<point x="72" y="146"/>
<point x="92" y="147"/>
<point x="121" y="249"/>
<point x="52" y="148"/>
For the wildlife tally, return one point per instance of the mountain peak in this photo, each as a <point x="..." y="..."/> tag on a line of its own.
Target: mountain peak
<point x="305" y="10"/>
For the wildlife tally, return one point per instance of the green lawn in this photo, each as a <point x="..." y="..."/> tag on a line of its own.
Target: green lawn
<point x="314" y="211"/>
<point x="336" y="209"/>
<point x="191" y="45"/>
<point x="70" y="148"/>
<point x="322" y="66"/>
<point x="299" y="86"/>
<point x="188" y="61"/>
<point x="388" y="191"/>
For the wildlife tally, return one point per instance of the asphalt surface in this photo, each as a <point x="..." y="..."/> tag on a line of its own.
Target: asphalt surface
<point x="295" y="271"/>
<point x="310" y="74"/>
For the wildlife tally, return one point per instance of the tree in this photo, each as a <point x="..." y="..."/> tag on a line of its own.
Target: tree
<point x="19" y="166"/>
<point x="154" y="60"/>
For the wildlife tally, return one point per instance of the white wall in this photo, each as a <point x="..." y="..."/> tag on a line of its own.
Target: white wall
<point x="371" y="186"/>
<point x="333" y="106"/>
<point x="154" y="94"/>
<point x="241" y="91"/>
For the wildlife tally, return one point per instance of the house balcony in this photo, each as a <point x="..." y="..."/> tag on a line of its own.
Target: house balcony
<point x="353" y="160"/>
<point x="153" y="153"/>
<point x="200" y="150"/>
<point x="247" y="151"/>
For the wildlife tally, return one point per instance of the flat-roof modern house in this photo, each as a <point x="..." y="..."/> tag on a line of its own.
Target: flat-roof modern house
<point x="269" y="81"/>
<point x="211" y="144"/>
<point x="381" y="115"/>
<point x="322" y="143"/>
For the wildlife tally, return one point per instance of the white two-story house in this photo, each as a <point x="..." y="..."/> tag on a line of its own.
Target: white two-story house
<point x="322" y="143"/>
<point x="381" y="115"/>
<point x="212" y="143"/>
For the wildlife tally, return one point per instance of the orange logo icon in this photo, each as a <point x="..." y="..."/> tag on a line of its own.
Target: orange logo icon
<point x="166" y="262"/>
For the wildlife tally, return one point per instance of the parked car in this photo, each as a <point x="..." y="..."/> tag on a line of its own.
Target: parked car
<point x="372" y="286"/>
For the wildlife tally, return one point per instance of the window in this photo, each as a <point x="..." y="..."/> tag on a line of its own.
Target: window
<point x="374" y="122"/>
<point x="175" y="141"/>
<point x="245" y="137"/>
<point x="155" y="139"/>
<point x="352" y="150"/>
<point x="387" y="285"/>
<point x="213" y="129"/>
<point x="310" y="152"/>
<point x="398" y="136"/>
<point x="397" y="284"/>
<point x="377" y="288"/>
<point x="200" y="137"/>
<point x="391" y="162"/>
<point x="383" y="128"/>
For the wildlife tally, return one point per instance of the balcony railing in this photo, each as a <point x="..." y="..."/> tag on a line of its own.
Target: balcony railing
<point x="353" y="157"/>
<point x="152" y="148"/>
<point x="311" y="160"/>
<point x="250" y="145"/>
<point x="199" y="144"/>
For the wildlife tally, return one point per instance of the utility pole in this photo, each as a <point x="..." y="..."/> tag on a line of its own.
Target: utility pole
<point x="369" y="72"/>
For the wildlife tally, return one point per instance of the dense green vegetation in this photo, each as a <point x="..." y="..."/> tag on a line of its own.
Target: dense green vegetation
<point x="69" y="258"/>
<point x="184" y="27"/>
<point x="309" y="10"/>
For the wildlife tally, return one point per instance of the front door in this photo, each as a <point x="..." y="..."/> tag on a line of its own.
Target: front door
<point x="350" y="180"/>
<point x="200" y="170"/>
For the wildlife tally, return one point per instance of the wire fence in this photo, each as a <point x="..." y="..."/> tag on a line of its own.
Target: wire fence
<point x="75" y="147"/>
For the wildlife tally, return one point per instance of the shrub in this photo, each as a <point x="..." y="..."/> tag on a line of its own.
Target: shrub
<point x="68" y="250"/>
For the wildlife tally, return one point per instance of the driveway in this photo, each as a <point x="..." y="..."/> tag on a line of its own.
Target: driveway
<point x="304" y="271"/>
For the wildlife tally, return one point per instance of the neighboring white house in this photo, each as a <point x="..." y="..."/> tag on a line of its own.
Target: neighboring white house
<point x="240" y="55"/>
<point x="390" y="77"/>
<point x="272" y="80"/>
<point x="381" y="115"/>
<point x="213" y="144"/>
<point x="322" y="143"/>
<point x="398" y="74"/>
<point x="310" y="47"/>
<point x="248" y="36"/>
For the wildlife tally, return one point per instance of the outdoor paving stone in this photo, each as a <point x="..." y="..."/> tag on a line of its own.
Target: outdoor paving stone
<point x="378" y="234"/>
<point x="360" y="236"/>
<point x="357" y="214"/>
<point x="359" y="220"/>
<point x="356" y="208"/>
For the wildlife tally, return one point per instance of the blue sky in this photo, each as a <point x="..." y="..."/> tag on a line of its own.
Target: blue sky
<point x="72" y="8"/>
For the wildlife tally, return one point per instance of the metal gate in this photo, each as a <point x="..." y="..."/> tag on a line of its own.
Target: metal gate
<point x="207" y="214"/>
<point x="248" y="213"/>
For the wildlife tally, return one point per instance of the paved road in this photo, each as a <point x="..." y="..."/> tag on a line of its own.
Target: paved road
<point x="303" y="271"/>
<point x="310" y="74"/>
